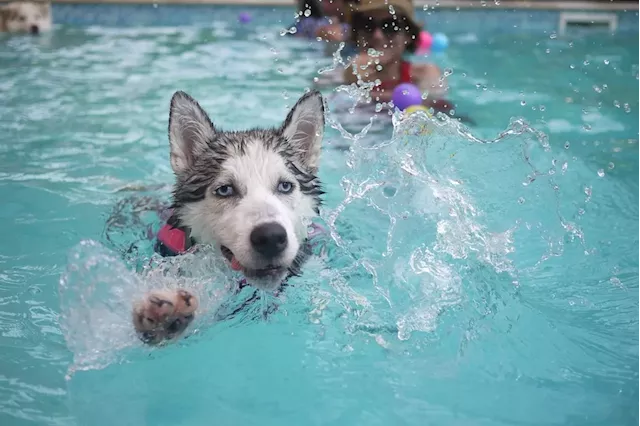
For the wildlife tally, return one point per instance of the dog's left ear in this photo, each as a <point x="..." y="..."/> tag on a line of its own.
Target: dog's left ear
<point x="304" y="128"/>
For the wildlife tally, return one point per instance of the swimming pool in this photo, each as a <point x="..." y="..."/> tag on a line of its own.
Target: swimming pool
<point x="469" y="283"/>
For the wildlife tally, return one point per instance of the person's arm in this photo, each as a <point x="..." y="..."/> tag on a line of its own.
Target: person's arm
<point x="365" y="68"/>
<point x="429" y="79"/>
<point x="331" y="32"/>
<point x="350" y="74"/>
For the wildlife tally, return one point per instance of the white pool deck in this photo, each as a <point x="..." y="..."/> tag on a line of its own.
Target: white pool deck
<point x="441" y="4"/>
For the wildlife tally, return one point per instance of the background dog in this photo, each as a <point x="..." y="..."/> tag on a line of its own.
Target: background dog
<point x="25" y="17"/>
<point x="250" y="193"/>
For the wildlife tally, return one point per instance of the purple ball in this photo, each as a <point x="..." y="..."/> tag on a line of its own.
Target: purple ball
<point x="244" y="17"/>
<point x="406" y="95"/>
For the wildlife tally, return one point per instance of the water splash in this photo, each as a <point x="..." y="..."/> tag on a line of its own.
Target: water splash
<point x="97" y="292"/>
<point x="446" y="240"/>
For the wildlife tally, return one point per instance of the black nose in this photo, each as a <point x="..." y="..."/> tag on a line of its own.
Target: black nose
<point x="269" y="239"/>
<point x="35" y="29"/>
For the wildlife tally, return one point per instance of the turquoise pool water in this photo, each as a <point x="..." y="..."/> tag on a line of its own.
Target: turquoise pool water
<point x="467" y="282"/>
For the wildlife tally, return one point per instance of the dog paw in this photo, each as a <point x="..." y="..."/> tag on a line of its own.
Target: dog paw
<point x="163" y="315"/>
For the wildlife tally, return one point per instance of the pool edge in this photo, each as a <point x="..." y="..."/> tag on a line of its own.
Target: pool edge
<point x="442" y="4"/>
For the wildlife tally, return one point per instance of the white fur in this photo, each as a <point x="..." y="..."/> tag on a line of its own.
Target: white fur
<point x="22" y="16"/>
<point x="255" y="174"/>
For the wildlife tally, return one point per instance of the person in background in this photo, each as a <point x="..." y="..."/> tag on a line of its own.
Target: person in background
<point x="389" y="28"/>
<point x="322" y="19"/>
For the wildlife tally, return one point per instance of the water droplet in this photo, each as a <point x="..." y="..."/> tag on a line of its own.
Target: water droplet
<point x="316" y="79"/>
<point x="425" y="7"/>
<point x="572" y="66"/>
<point x="548" y="51"/>
<point x="597" y="89"/>
<point x="389" y="191"/>
<point x="567" y="145"/>
<point x="587" y="127"/>
<point x="307" y="12"/>
<point x="34" y="289"/>
<point x="378" y="107"/>
<point x="542" y="107"/>
<point x="627" y="109"/>
<point x="448" y="72"/>
<point x="379" y="67"/>
<point x="458" y="8"/>
<point x="606" y="62"/>
<point x="586" y="62"/>
<point x="600" y="172"/>
<point x="611" y="166"/>
<point x="581" y="212"/>
<point x="553" y="36"/>
<point x="523" y="103"/>
<point x="565" y="165"/>
<point x="497" y="2"/>
<point x="615" y="281"/>
<point x="392" y="10"/>
<point x="521" y="200"/>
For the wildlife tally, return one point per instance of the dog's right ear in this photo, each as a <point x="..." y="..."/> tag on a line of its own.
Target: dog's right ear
<point x="190" y="131"/>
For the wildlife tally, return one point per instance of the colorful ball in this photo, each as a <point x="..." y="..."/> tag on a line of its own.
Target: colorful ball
<point x="439" y="43"/>
<point x="244" y="17"/>
<point x="425" y="40"/>
<point x="406" y="95"/>
<point x="415" y="108"/>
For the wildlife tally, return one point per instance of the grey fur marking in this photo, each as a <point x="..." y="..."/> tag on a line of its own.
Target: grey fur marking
<point x="205" y="158"/>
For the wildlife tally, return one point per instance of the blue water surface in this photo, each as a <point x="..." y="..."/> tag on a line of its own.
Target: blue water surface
<point x="475" y="275"/>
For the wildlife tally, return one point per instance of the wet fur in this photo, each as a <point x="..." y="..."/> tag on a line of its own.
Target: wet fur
<point x="25" y="17"/>
<point x="254" y="162"/>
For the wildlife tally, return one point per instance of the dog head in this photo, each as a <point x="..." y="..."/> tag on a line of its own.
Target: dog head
<point x="250" y="192"/>
<point x="26" y="17"/>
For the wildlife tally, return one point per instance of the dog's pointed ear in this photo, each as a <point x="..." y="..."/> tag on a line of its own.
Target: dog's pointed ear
<point x="304" y="127"/>
<point x="190" y="131"/>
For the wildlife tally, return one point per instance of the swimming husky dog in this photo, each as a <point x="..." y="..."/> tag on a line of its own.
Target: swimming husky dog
<point x="25" y="17"/>
<point x="250" y="193"/>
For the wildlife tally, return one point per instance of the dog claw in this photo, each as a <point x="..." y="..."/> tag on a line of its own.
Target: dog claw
<point x="157" y="301"/>
<point x="164" y="315"/>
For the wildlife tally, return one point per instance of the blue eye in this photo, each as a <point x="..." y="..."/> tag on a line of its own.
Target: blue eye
<point x="225" y="191"/>
<point x="285" y="187"/>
